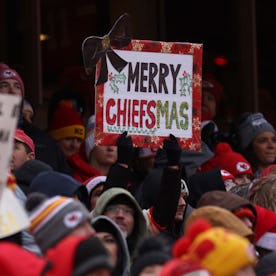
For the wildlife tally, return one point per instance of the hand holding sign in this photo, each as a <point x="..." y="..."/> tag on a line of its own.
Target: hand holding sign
<point x="125" y="148"/>
<point x="173" y="150"/>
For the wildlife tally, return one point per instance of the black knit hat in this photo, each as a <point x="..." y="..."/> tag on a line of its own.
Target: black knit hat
<point x="150" y="251"/>
<point x="89" y="256"/>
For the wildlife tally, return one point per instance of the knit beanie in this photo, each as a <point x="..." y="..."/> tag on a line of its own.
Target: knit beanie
<point x="90" y="135"/>
<point x="219" y="217"/>
<point x="55" y="218"/>
<point x="149" y="252"/>
<point x="22" y="137"/>
<point x="66" y="123"/>
<point x="226" y="159"/>
<point x="7" y="73"/>
<point x="221" y="252"/>
<point x="226" y="175"/>
<point x="251" y="126"/>
<point x="77" y="256"/>
<point x="93" y="182"/>
<point x="91" y="255"/>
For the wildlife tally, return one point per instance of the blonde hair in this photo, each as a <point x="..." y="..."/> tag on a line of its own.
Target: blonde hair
<point x="263" y="192"/>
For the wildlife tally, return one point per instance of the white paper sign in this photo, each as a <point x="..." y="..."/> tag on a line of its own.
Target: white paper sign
<point x="13" y="217"/>
<point x="9" y="111"/>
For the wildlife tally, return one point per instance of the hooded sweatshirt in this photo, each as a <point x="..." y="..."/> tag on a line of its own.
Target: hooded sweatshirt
<point x="140" y="219"/>
<point x="105" y="224"/>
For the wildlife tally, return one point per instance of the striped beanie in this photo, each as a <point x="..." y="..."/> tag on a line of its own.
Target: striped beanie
<point x="66" y="123"/>
<point x="55" y="218"/>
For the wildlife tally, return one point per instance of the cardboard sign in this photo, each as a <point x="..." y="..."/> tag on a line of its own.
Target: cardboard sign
<point x="156" y="94"/>
<point x="9" y="111"/>
<point x="13" y="217"/>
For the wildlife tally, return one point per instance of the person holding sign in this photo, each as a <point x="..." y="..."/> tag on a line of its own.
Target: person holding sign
<point x="162" y="213"/>
<point x="46" y="148"/>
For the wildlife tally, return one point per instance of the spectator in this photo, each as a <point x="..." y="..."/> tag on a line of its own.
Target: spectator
<point x="67" y="129"/>
<point x="150" y="257"/>
<point x="92" y="160"/>
<point x="10" y="81"/>
<point x="233" y="162"/>
<point x="115" y="242"/>
<point x="28" y="171"/>
<point x="79" y="256"/>
<point x="257" y="141"/>
<point x="46" y="149"/>
<point x="24" y="149"/>
<point x="53" y="219"/>
<point x="52" y="183"/>
<point x="263" y="192"/>
<point x="94" y="186"/>
<point x="219" y="251"/>
<point x="119" y="205"/>
<point x="28" y="110"/>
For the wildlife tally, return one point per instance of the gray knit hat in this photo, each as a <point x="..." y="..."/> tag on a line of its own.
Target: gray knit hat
<point x="54" y="219"/>
<point x="253" y="125"/>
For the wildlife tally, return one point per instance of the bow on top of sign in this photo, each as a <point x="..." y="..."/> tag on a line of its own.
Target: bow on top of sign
<point x="95" y="48"/>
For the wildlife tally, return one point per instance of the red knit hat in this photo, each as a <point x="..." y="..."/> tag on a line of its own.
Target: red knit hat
<point x="7" y="73"/>
<point x="265" y="230"/>
<point x="227" y="159"/>
<point x="22" y="137"/>
<point x="66" y="122"/>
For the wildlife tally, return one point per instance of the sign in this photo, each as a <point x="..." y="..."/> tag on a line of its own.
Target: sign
<point x="156" y="94"/>
<point x="13" y="217"/>
<point x="9" y="112"/>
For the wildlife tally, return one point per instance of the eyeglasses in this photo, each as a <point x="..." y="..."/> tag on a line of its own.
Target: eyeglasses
<point x="114" y="209"/>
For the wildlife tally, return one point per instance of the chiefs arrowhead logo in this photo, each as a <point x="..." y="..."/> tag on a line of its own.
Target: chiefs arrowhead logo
<point x="242" y="166"/>
<point x="72" y="219"/>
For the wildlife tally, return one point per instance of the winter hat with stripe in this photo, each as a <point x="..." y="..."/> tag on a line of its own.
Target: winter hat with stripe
<point x="66" y="123"/>
<point x="54" y="218"/>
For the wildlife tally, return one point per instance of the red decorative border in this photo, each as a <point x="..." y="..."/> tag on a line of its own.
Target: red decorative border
<point x="193" y="143"/>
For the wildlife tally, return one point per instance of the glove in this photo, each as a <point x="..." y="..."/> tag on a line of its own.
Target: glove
<point x="173" y="150"/>
<point x="125" y="148"/>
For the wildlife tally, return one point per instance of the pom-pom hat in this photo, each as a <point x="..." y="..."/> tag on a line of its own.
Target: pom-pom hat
<point x="66" y="123"/>
<point x="54" y="219"/>
<point x="221" y="252"/>
<point x="227" y="159"/>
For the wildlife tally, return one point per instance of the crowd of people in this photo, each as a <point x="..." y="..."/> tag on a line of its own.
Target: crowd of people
<point x="125" y="211"/>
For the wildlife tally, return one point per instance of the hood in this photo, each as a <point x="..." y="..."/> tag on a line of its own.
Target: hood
<point x="203" y="182"/>
<point x="104" y="223"/>
<point x="140" y="227"/>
